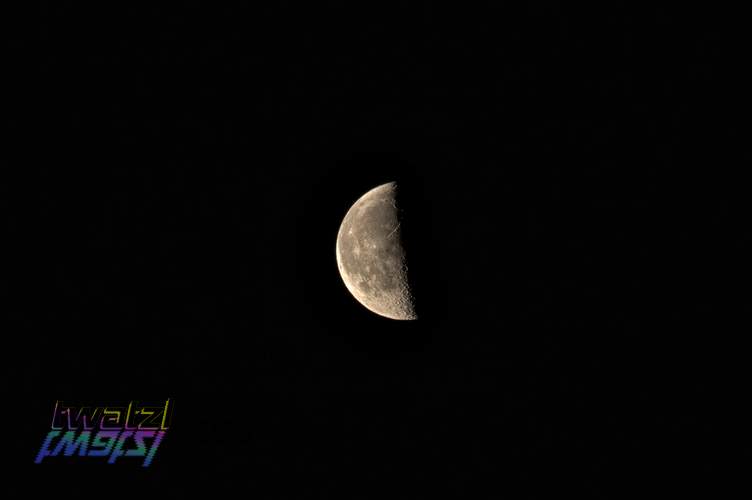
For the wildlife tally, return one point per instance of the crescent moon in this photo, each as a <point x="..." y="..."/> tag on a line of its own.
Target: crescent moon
<point x="371" y="256"/>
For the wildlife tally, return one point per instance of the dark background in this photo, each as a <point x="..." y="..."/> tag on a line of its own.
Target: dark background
<point x="176" y="181"/>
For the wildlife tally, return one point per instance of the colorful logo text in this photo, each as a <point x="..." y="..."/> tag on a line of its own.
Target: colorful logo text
<point x="132" y="430"/>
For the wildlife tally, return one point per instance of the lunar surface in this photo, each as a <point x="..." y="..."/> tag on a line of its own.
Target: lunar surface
<point x="371" y="257"/>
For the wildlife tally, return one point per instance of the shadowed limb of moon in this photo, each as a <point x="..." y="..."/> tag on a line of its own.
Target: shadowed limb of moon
<point x="371" y="257"/>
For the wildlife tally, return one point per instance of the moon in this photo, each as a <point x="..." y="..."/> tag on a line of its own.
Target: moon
<point x="371" y="256"/>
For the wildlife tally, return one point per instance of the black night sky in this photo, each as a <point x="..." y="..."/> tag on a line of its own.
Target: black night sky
<point x="176" y="178"/>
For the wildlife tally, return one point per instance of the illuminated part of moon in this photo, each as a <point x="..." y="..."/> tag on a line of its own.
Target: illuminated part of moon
<point x="371" y="257"/>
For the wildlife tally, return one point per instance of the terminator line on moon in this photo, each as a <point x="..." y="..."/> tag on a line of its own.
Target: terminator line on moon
<point x="371" y="257"/>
